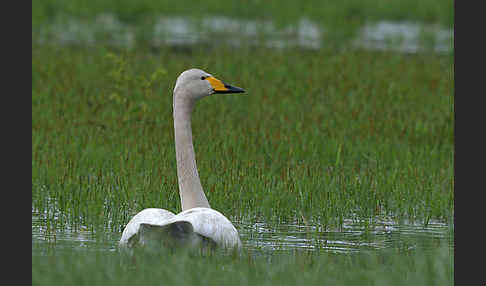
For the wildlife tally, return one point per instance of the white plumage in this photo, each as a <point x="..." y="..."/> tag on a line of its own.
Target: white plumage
<point x="197" y="225"/>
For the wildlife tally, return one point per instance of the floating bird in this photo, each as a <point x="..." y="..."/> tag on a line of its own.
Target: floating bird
<point x="198" y="225"/>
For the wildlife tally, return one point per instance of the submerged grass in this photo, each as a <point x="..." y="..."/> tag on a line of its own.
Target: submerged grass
<point x="318" y="135"/>
<point x="434" y="267"/>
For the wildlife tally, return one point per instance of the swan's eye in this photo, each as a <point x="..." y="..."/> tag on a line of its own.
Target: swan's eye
<point x="203" y="77"/>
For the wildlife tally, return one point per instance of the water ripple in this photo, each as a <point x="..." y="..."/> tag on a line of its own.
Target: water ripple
<point x="258" y="236"/>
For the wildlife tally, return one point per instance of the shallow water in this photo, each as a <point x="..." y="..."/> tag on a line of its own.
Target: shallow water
<point x="180" y="31"/>
<point x="351" y="237"/>
<point x="260" y="237"/>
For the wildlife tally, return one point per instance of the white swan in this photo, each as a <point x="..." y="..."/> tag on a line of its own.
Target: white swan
<point x="197" y="225"/>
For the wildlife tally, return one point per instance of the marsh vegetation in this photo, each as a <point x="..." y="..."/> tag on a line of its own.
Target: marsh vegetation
<point x="323" y="142"/>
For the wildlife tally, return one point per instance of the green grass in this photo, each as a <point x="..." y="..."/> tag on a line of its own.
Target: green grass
<point x="320" y="136"/>
<point x="328" y="13"/>
<point x="319" y="268"/>
<point x="337" y="22"/>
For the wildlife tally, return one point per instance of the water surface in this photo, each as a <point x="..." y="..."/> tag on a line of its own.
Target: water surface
<point x="181" y="31"/>
<point x="258" y="236"/>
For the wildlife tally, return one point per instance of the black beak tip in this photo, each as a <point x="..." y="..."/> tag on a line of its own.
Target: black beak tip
<point x="235" y="89"/>
<point x="231" y="89"/>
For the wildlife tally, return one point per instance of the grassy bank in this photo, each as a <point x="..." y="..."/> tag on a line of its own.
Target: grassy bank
<point x="317" y="135"/>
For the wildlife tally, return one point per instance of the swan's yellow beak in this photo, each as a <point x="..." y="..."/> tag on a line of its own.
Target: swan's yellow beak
<point x="222" y="87"/>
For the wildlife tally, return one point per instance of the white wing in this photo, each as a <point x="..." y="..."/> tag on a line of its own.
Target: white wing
<point x="211" y="224"/>
<point x="150" y="216"/>
<point x="158" y="227"/>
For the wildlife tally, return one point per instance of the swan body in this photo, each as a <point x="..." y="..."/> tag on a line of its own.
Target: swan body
<point x="198" y="225"/>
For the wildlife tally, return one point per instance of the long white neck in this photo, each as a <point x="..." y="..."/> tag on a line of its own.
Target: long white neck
<point x="190" y="188"/>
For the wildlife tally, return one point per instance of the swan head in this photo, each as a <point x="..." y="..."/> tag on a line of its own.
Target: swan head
<point x="196" y="84"/>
